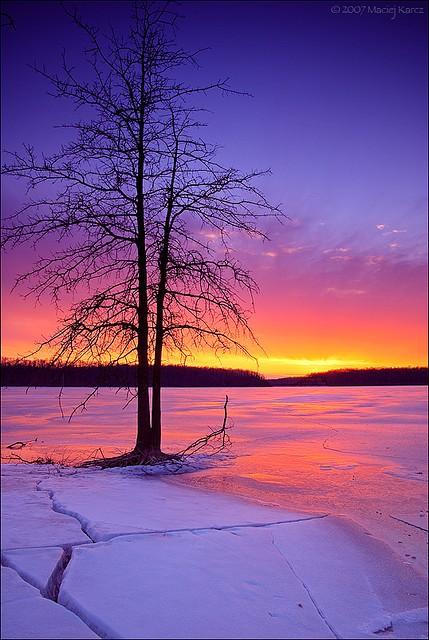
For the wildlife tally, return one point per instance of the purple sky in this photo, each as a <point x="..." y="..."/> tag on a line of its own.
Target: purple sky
<point x="338" y="114"/>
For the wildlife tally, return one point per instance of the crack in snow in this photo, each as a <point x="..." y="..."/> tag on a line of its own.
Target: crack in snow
<point x="50" y="591"/>
<point x="55" y="580"/>
<point x="58" y="509"/>
<point x="214" y="528"/>
<point x="85" y="524"/>
<point x="63" y="545"/>
<point x="56" y="577"/>
<point x="54" y="583"/>
<point x="313" y="600"/>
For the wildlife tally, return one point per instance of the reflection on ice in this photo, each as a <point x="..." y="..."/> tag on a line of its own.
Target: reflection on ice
<point x="354" y="451"/>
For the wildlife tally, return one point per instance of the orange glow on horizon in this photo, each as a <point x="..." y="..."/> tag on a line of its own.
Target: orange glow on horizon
<point x="300" y="332"/>
<point x="269" y="366"/>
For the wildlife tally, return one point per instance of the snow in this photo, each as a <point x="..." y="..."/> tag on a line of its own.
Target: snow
<point x="26" y="614"/>
<point x="23" y="503"/>
<point x="307" y="580"/>
<point x="352" y="576"/>
<point x="210" y="584"/>
<point x="169" y="561"/>
<point x="411" y="624"/>
<point x="36" y="566"/>
<point x="13" y="588"/>
<point x="406" y="473"/>
<point x="151" y="504"/>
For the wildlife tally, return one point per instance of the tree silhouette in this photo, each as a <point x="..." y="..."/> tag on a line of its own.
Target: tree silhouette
<point x="143" y="214"/>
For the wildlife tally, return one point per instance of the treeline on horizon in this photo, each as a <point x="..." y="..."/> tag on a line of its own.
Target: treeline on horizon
<point x="387" y="376"/>
<point x="39" y="373"/>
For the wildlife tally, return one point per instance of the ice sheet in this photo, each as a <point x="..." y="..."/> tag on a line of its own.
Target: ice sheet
<point x="210" y="584"/>
<point x="109" y="504"/>
<point x="203" y="565"/>
<point x="25" y="614"/>
<point x="23" y="504"/>
<point x="312" y="579"/>
<point x="35" y="566"/>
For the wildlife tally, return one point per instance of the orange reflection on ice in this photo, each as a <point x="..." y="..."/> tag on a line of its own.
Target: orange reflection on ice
<point x="355" y="451"/>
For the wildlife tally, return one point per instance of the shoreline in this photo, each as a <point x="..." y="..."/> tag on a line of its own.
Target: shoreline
<point x="396" y="533"/>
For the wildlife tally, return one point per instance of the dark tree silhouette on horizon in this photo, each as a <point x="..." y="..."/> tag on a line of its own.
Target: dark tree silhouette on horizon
<point x="143" y="213"/>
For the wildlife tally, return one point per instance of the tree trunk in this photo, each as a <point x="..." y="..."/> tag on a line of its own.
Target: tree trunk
<point x="156" y="374"/>
<point x="144" y="432"/>
<point x="159" y="329"/>
<point x="159" y="336"/>
<point x="156" y="406"/>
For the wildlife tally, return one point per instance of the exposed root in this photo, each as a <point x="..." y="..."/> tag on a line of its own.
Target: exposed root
<point x="132" y="458"/>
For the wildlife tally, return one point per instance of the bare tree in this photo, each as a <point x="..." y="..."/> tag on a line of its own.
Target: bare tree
<point x="144" y="215"/>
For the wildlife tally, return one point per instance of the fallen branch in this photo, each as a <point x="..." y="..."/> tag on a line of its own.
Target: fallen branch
<point x="53" y="457"/>
<point x="19" y="444"/>
<point x="40" y="460"/>
<point x="220" y="437"/>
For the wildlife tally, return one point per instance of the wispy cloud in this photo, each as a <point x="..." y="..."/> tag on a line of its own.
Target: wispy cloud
<point x="291" y="250"/>
<point x="340" y="258"/>
<point x="345" y="292"/>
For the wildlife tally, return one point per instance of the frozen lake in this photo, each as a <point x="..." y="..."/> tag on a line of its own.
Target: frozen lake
<point x="355" y="451"/>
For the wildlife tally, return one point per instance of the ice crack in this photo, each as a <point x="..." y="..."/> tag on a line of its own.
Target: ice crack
<point x="313" y="600"/>
<point x="63" y="511"/>
<point x="416" y="526"/>
<point x="52" y="589"/>
<point x="56" y="577"/>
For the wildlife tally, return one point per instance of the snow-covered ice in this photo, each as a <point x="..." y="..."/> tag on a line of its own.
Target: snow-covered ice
<point x="169" y="561"/>
<point x="151" y="504"/>
<point x="23" y="504"/>
<point x="353" y="451"/>
<point x="26" y="614"/>
<point x="309" y="579"/>
<point x="36" y="566"/>
<point x="210" y="584"/>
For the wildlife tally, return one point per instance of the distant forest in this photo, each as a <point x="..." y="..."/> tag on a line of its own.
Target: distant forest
<point x="39" y="373"/>
<point x="359" y="378"/>
<point x="42" y="374"/>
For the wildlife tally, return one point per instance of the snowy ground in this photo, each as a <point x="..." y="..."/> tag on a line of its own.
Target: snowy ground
<point x="121" y="555"/>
